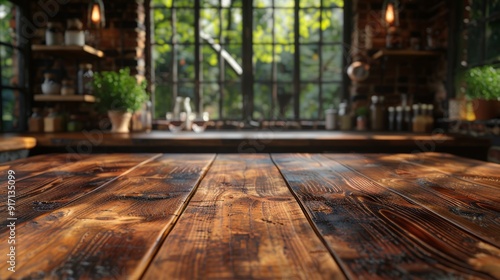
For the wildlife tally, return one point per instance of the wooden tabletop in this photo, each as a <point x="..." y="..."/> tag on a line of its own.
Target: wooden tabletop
<point x="250" y="216"/>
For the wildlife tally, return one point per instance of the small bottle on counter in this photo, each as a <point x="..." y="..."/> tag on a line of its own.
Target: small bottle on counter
<point x="345" y="117"/>
<point x="85" y="78"/>
<point x="391" y="117"/>
<point x="53" y="122"/>
<point x="35" y="123"/>
<point x="429" y="115"/>
<point x="331" y="116"/>
<point x="419" y="120"/>
<point x="399" y="118"/>
<point x="377" y="112"/>
<point x="407" y="125"/>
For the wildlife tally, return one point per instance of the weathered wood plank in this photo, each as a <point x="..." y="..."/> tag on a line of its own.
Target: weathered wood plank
<point x="38" y="164"/>
<point x="243" y="223"/>
<point x="472" y="206"/>
<point x="377" y="233"/>
<point x="113" y="232"/>
<point x="466" y="169"/>
<point x="58" y="186"/>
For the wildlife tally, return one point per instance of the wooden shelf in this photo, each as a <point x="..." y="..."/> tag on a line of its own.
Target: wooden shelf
<point x="65" y="98"/>
<point x="85" y="51"/>
<point x="405" y="52"/>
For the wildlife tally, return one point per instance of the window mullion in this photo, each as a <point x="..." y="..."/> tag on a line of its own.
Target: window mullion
<point x="296" y="73"/>
<point x="221" y="62"/>
<point x="247" y="53"/>
<point x="198" y="92"/>
<point x="175" y="80"/>
<point x="274" y="80"/>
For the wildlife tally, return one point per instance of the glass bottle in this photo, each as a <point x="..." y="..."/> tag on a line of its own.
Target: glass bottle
<point x="419" y="120"/>
<point x="35" y="123"/>
<point x="377" y="111"/>
<point x="345" y="117"/>
<point x="391" y="115"/>
<point x="85" y="78"/>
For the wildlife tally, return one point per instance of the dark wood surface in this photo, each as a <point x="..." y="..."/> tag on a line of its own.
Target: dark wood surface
<point x="16" y="143"/>
<point x="253" y="216"/>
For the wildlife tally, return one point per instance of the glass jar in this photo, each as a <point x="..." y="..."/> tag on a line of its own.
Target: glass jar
<point x="85" y="78"/>
<point x="377" y="112"/>
<point x="35" y="123"/>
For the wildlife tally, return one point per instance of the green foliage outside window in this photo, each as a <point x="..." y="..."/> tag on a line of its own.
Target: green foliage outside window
<point x="320" y="43"/>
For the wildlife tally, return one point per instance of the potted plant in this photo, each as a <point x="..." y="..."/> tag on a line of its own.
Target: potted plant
<point x="119" y="94"/>
<point x="483" y="88"/>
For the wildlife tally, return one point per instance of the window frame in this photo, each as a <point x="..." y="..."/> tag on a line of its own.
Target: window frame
<point x="22" y="48"/>
<point x="248" y="81"/>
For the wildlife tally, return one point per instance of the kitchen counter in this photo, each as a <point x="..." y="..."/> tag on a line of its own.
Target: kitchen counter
<point x="95" y="141"/>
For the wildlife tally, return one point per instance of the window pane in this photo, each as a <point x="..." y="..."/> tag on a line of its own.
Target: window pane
<point x="309" y="25"/>
<point x="331" y="95"/>
<point x="232" y="26"/>
<point x="181" y="3"/>
<point x="284" y="3"/>
<point x="233" y="68"/>
<point x="309" y="101"/>
<point x="332" y="25"/>
<point x="186" y="90"/>
<point x="7" y="57"/>
<point x="310" y="3"/>
<point x="262" y="100"/>
<point x="163" y="100"/>
<point x="263" y="3"/>
<point x="285" y="65"/>
<point x="333" y="3"/>
<point x="332" y="62"/>
<point x="211" y="99"/>
<point x="263" y="26"/>
<point x="185" y="26"/>
<point x="284" y="26"/>
<point x="6" y="15"/>
<point x="285" y="101"/>
<point x="210" y="23"/>
<point x="309" y="62"/>
<point x="163" y="26"/>
<point x="493" y="40"/>
<point x="210" y="64"/>
<point x="233" y="101"/>
<point x="473" y="48"/>
<point x="493" y="7"/>
<point x="10" y="110"/>
<point x="263" y="62"/>
<point x="185" y="63"/>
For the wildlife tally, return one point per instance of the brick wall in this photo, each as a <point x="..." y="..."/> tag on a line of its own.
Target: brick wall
<point x="420" y="78"/>
<point x="122" y="40"/>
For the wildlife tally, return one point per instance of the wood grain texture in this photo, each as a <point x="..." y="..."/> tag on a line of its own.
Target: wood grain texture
<point x="56" y="184"/>
<point x="473" y="206"/>
<point x="377" y="233"/>
<point x="16" y="143"/>
<point x="113" y="232"/>
<point x="243" y="223"/>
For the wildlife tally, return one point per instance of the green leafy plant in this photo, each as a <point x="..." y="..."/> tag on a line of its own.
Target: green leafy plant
<point x="482" y="83"/>
<point x="119" y="91"/>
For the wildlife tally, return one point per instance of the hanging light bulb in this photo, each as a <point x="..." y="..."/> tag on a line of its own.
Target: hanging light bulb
<point x="96" y="14"/>
<point x="389" y="14"/>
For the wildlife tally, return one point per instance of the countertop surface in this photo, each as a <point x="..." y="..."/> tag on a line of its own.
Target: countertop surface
<point x="250" y="216"/>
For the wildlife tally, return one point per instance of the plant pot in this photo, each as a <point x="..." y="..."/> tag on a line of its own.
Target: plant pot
<point x="120" y="121"/>
<point x="484" y="109"/>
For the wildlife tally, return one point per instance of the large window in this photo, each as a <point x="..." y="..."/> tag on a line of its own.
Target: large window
<point x="11" y="89"/>
<point x="238" y="59"/>
<point x="481" y="32"/>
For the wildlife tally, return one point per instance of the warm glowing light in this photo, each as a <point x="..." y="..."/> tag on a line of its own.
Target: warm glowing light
<point x="389" y="14"/>
<point x="96" y="14"/>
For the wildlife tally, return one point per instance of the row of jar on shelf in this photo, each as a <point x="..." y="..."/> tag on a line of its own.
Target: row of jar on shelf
<point x="73" y="35"/>
<point x="52" y="120"/>
<point x="54" y="85"/>
<point x="417" y="118"/>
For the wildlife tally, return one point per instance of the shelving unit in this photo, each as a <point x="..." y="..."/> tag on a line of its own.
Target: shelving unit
<point x="405" y="53"/>
<point x="65" y="98"/>
<point x="81" y="52"/>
